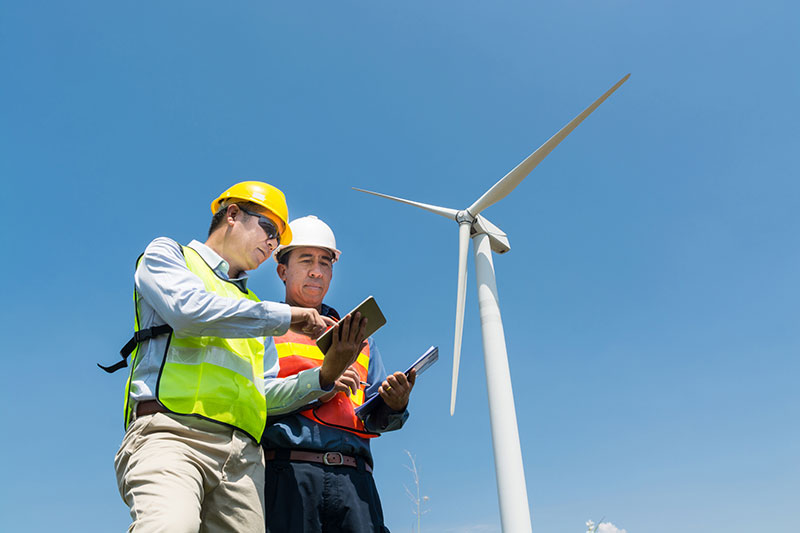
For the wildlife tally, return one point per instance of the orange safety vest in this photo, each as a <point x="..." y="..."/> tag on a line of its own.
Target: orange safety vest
<point x="296" y="353"/>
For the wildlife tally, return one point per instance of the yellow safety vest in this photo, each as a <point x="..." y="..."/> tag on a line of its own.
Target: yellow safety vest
<point x="211" y="377"/>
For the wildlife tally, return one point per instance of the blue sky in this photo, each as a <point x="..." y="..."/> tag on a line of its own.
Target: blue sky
<point x="649" y="299"/>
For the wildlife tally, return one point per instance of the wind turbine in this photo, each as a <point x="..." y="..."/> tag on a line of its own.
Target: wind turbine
<point x="511" y="490"/>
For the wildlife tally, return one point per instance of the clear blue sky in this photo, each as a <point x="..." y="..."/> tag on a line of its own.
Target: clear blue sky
<point x="649" y="299"/>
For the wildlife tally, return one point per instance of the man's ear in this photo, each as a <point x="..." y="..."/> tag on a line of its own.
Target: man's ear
<point x="281" y="270"/>
<point x="233" y="212"/>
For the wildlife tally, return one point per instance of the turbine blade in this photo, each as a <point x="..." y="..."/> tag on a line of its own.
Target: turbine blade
<point x="501" y="189"/>
<point x="443" y="211"/>
<point x="463" y="248"/>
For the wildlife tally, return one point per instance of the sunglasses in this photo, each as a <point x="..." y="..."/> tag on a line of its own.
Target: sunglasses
<point x="266" y="224"/>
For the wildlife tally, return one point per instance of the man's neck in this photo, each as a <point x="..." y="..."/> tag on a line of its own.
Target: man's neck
<point x="291" y="302"/>
<point x="217" y="243"/>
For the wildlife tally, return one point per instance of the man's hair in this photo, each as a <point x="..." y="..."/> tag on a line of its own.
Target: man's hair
<point x="219" y="216"/>
<point x="283" y="257"/>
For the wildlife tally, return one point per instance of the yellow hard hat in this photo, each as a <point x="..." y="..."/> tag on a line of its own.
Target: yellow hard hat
<point x="262" y="194"/>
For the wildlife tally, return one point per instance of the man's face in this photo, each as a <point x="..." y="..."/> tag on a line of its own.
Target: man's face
<point x="307" y="275"/>
<point x="251" y="244"/>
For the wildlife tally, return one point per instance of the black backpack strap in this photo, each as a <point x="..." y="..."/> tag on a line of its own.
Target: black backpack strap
<point x="140" y="336"/>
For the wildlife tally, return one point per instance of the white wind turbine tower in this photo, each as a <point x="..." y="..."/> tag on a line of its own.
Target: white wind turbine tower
<point x="512" y="493"/>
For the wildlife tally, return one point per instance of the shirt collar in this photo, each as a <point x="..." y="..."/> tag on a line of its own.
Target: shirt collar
<point x="217" y="263"/>
<point x="326" y="310"/>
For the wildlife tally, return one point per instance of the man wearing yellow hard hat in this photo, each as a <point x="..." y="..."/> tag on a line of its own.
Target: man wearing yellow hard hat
<point x="195" y="406"/>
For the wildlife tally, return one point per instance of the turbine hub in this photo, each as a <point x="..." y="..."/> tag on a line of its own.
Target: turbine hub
<point x="464" y="216"/>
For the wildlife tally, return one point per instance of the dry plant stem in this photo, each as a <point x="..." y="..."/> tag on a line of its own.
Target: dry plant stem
<point x="414" y="496"/>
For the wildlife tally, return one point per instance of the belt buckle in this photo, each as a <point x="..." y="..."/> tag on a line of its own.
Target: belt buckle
<point x="338" y="459"/>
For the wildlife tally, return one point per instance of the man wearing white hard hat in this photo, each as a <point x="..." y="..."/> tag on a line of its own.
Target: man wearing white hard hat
<point x="318" y="460"/>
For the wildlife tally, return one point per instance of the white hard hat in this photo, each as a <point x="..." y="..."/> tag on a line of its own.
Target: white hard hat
<point x="310" y="231"/>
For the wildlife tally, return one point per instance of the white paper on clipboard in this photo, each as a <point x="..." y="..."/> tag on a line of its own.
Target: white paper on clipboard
<point x="425" y="361"/>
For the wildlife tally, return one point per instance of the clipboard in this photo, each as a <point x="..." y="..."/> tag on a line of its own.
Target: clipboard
<point x="369" y="309"/>
<point x="424" y="362"/>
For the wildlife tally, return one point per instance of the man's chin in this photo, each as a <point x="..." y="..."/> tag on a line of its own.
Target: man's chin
<point x="313" y="299"/>
<point x="259" y="259"/>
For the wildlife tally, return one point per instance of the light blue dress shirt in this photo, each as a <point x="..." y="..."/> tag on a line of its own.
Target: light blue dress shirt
<point x="169" y="293"/>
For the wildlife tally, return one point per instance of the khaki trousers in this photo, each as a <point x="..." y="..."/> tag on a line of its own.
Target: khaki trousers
<point x="182" y="474"/>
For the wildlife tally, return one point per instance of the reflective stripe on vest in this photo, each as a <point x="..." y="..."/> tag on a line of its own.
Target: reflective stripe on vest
<point x="297" y="353"/>
<point x="211" y="377"/>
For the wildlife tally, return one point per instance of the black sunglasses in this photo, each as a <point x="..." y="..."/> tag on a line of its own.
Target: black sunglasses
<point x="266" y="224"/>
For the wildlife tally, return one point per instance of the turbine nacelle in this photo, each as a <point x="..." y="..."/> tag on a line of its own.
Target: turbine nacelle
<point x="480" y="224"/>
<point x="497" y="237"/>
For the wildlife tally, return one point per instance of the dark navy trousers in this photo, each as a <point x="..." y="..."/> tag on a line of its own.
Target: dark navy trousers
<point x="317" y="498"/>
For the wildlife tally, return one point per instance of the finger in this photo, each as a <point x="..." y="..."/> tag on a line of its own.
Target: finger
<point x="402" y="389"/>
<point x="354" y="353"/>
<point x="362" y="330"/>
<point x="334" y="339"/>
<point x="314" y="327"/>
<point x="327" y="321"/>
<point x="311" y="318"/>
<point x="402" y="380"/>
<point x="412" y="377"/>
<point x="344" y="329"/>
<point x="393" y="381"/>
<point x="355" y="320"/>
<point x="394" y="401"/>
<point x="352" y="379"/>
<point x="319" y="325"/>
<point x="344" y="385"/>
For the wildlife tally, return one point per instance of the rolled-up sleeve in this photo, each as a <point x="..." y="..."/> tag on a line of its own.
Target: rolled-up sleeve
<point x="180" y="298"/>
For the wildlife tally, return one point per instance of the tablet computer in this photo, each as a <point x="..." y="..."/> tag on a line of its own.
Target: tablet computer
<point x="369" y="309"/>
